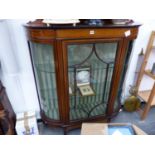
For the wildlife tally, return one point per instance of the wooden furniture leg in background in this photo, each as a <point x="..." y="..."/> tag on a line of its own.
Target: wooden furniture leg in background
<point x="148" y="104"/>
<point x="149" y="95"/>
<point x="147" y="54"/>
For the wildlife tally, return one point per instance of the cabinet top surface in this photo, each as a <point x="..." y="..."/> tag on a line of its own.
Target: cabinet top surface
<point x="38" y="24"/>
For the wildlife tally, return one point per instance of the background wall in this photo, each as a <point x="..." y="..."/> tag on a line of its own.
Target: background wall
<point x="16" y="70"/>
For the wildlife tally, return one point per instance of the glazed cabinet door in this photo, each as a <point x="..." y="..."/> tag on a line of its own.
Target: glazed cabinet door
<point x="43" y="61"/>
<point x="91" y="66"/>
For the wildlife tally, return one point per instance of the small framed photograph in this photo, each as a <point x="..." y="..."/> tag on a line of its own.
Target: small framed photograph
<point x="83" y="75"/>
<point x="86" y="90"/>
<point x="83" y="80"/>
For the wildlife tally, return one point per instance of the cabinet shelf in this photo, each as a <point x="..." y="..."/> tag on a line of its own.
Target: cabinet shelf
<point x="148" y="73"/>
<point x="144" y="95"/>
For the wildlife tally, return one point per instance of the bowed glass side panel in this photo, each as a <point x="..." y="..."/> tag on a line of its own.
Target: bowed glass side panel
<point x="120" y="91"/>
<point x="44" y="68"/>
<point x="90" y="70"/>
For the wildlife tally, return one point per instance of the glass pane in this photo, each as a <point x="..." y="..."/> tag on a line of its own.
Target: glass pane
<point x="90" y="71"/>
<point x="119" y="92"/>
<point x="76" y="55"/>
<point x="109" y="51"/>
<point x="44" y="66"/>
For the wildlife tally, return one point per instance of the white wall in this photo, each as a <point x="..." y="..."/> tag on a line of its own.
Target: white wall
<point x="17" y="74"/>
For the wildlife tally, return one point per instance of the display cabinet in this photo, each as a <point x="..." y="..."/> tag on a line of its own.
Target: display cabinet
<point x="79" y="70"/>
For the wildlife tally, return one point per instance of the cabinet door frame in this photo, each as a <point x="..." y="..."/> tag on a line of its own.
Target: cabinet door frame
<point x="121" y="59"/>
<point x="114" y="85"/>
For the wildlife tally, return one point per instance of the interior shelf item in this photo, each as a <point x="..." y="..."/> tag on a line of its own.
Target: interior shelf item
<point x="83" y="80"/>
<point x="79" y="71"/>
<point x="86" y="90"/>
<point x="147" y="96"/>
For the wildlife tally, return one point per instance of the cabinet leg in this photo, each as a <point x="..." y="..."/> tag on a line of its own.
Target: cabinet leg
<point x="108" y="120"/>
<point x="65" y="131"/>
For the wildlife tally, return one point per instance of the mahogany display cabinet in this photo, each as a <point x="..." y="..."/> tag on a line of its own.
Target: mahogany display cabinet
<point x="79" y="70"/>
